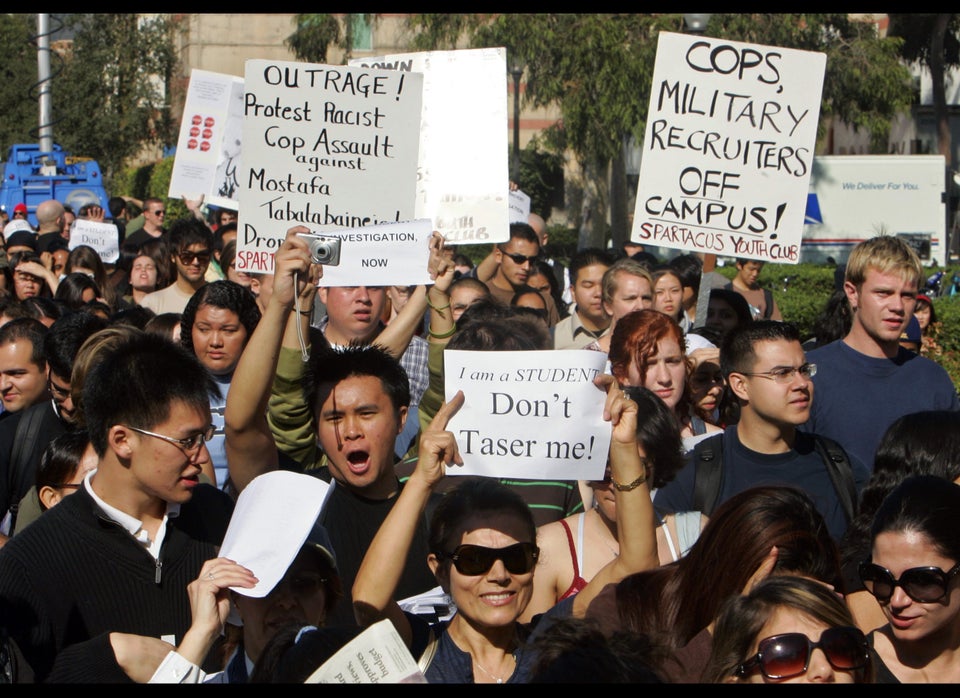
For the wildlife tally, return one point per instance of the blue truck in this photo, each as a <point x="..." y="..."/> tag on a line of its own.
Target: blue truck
<point x="32" y="175"/>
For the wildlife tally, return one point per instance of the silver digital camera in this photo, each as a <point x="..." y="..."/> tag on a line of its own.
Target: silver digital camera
<point x="324" y="249"/>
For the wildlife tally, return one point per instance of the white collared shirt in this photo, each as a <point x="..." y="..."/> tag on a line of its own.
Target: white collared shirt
<point x="134" y="525"/>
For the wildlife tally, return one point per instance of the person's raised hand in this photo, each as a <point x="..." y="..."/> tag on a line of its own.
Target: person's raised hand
<point x="618" y="409"/>
<point x="438" y="447"/>
<point x="208" y="593"/>
<point x="440" y="265"/>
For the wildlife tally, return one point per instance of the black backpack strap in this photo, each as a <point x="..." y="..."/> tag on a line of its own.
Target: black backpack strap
<point x="24" y="441"/>
<point x="841" y="473"/>
<point x="768" y="302"/>
<point x="708" y="459"/>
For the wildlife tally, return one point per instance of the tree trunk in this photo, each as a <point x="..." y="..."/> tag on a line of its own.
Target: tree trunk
<point x="619" y="233"/>
<point x="939" y="91"/>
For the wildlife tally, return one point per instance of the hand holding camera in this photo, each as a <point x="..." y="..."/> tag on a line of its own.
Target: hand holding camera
<point x="324" y="249"/>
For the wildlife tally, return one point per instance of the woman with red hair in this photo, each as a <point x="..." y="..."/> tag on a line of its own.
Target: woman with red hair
<point x="647" y="349"/>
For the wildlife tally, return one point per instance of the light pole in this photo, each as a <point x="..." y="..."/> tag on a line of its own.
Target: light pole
<point x="516" y="70"/>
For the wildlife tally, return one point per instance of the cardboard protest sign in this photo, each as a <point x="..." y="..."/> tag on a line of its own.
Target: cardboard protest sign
<point x="728" y="148"/>
<point x="394" y="254"/>
<point x="463" y="172"/>
<point x="528" y="414"/>
<point x="102" y="237"/>
<point x="208" y="149"/>
<point x="327" y="147"/>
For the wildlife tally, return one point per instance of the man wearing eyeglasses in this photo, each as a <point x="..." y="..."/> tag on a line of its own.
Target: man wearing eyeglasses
<point x="764" y="365"/>
<point x="116" y="556"/>
<point x="154" y="221"/>
<point x="191" y="243"/>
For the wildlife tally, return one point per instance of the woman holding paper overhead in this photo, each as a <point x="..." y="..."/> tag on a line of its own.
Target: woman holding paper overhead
<point x="301" y="591"/>
<point x="484" y="554"/>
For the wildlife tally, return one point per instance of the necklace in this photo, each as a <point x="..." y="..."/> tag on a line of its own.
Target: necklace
<point x="498" y="679"/>
<point x="616" y="553"/>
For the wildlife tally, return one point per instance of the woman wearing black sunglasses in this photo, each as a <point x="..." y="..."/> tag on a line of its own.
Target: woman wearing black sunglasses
<point x="484" y="554"/>
<point x="773" y="633"/>
<point x="913" y="572"/>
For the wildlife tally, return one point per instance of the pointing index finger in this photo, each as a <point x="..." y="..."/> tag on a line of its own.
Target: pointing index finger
<point x="446" y="411"/>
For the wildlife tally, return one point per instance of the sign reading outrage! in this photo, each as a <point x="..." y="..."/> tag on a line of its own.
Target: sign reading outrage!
<point x="327" y="147"/>
<point x="728" y="148"/>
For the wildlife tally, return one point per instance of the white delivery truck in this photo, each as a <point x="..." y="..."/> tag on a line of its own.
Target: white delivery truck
<point x="855" y="197"/>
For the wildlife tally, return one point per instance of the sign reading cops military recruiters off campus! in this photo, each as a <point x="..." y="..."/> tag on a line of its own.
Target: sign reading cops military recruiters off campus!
<point x="728" y="149"/>
<point x="528" y="414"/>
<point x="463" y="176"/>
<point x="327" y="147"/>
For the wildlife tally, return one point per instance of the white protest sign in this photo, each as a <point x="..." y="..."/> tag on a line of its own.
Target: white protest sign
<point x="395" y="254"/>
<point x="464" y="165"/>
<point x="327" y="147"/>
<point x="208" y="149"/>
<point x="519" y="207"/>
<point x="728" y="148"/>
<point x="102" y="237"/>
<point x="528" y="414"/>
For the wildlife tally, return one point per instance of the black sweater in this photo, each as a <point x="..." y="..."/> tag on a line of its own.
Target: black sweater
<point x="73" y="576"/>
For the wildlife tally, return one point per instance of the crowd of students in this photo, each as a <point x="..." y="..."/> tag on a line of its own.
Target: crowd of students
<point x="767" y="514"/>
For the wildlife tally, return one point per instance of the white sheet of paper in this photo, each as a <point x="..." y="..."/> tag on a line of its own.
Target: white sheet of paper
<point x="528" y="414"/>
<point x="271" y="520"/>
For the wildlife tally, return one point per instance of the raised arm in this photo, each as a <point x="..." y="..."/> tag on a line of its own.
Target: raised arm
<point x="379" y="573"/>
<point x="396" y="336"/>
<point x="442" y="328"/>
<point x="487" y="268"/>
<point x="250" y="446"/>
<point x="636" y="522"/>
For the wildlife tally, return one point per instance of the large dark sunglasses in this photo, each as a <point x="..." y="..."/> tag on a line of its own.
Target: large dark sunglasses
<point x="519" y="558"/>
<point x="788" y="655"/>
<point x="520" y="259"/>
<point x="187" y="257"/>
<point x="922" y="584"/>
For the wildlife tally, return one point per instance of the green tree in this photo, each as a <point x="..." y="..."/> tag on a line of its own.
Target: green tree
<point x="18" y="73"/>
<point x="866" y="83"/>
<point x="114" y="95"/>
<point x="932" y="39"/>
<point x="317" y="33"/>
